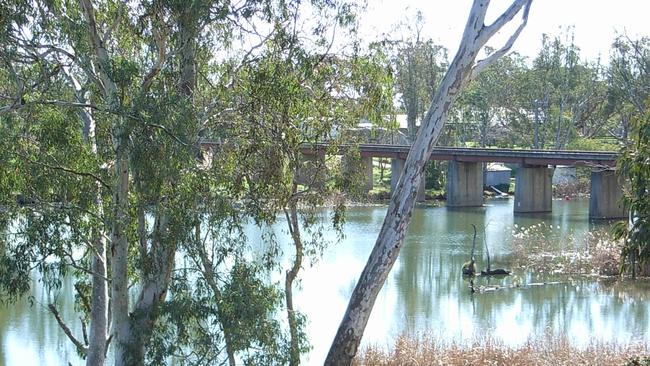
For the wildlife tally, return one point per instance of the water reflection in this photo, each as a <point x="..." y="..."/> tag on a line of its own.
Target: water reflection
<point x="424" y="292"/>
<point x="29" y="334"/>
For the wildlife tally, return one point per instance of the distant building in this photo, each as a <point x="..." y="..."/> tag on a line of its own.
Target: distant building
<point x="496" y="174"/>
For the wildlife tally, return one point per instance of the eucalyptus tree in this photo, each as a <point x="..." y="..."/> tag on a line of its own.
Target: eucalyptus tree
<point x="107" y="110"/>
<point x="462" y="69"/>
<point x="629" y="81"/>
<point x="419" y="65"/>
<point x="296" y="94"/>
<point x="628" y="86"/>
<point x="486" y="100"/>
<point x="564" y="94"/>
<point x="633" y="165"/>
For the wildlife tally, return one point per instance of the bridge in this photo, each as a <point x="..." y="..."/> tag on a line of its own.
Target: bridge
<point x="533" y="179"/>
<point x="516" y="156"/>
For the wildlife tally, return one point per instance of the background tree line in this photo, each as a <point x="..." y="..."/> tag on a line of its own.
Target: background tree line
<point x="556" y="100"/>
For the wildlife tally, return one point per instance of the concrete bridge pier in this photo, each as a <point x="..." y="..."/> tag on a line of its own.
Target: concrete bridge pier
<point x="605" y="198"/>
<point x="533" y="189"/>
<point x="396" y="167"/>
<point x="464" y="184"/>
<point x="360" y="168"/>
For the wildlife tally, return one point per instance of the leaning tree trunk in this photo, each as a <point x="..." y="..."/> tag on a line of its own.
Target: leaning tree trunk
<point x="391" y="237"/>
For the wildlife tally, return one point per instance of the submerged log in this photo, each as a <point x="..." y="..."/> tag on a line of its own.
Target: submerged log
<point x="495" y="272"/>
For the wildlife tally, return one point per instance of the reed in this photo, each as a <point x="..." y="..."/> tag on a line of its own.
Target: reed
<point x="541" y="351"/>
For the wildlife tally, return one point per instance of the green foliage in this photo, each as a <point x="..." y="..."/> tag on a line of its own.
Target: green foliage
<point x="191" y="322"/>
<point x="638" y="361"/>
<point x="435" y="175"/>
<point x="182" y="73"/>
<point x="634" y="164"/>
<point x="419" y="66"/>
<point x="556" y="102"/>
<point x="592" y="144"/>
<point x="247" y="307"/>
<point x="629" y="101"/>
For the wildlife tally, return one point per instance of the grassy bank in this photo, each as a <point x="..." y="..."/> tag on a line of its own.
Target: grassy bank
<point x="546" y="350"/>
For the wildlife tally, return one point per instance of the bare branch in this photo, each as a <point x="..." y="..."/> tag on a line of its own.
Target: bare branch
<point x="160" y="39"/>
<point x="83" y="330"/>
<point x="482" y="64"/>
<point x="67" y="170"/>
<point x="489" y="31"/>
<point x="111" y="28"/>
<point x="168" y="133"/>
<point x="80" y="347"/>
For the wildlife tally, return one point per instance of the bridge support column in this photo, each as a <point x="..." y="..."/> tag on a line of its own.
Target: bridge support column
<point x="606" y="193"/>
<point x="396" y="167"/>
<point x="533" y="189"/>
<point x="464" y="184"/>
<point x="361" y="171"/>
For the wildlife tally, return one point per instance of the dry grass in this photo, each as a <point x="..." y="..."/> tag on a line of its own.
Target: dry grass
<point x="543" y="351"/>
<point x="600" y="254"/>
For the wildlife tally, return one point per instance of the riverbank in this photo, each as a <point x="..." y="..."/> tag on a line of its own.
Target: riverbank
<point x="542" y="351"/>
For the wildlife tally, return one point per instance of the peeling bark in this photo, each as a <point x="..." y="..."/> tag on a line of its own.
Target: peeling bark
<point x="391" y="236"/>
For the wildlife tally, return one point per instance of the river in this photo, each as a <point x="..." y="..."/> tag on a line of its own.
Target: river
<point x="424" y="293"/>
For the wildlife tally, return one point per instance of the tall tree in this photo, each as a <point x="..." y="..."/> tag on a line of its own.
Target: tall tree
<point x="107" y="112"/>
<point x="630" y="85"/>
<point x="419" y="65"/>
<point x="391" y="236"/>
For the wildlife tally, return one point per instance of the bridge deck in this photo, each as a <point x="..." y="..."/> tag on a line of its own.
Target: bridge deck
<point x="518" y="156"/>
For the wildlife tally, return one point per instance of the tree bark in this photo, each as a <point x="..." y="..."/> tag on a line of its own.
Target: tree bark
<point x="99" y="295"/>
<point x="119" y="259"/>
<point x="391" y="237"/>
<point x="120" y="207"/>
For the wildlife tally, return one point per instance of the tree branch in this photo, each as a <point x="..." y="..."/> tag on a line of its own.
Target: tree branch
<point x="161" y="44"/>
<point x="67" y="170"/>
<point x="80" y="347"/>
<point x="482" y="64"/>
<point x="489" y="31"/>
<point x="110" y="89"/>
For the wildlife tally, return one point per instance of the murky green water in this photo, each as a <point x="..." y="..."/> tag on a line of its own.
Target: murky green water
<point x="423" y="293"/>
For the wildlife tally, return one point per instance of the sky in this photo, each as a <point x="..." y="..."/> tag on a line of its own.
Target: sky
<point x="596" y="22"/>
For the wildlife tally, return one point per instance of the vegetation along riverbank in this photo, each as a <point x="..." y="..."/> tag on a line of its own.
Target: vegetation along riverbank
<point x="543" y="351"/>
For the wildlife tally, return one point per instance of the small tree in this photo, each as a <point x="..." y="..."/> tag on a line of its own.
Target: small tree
<point x="630" y="82"/>
<point x="634" y="164"/>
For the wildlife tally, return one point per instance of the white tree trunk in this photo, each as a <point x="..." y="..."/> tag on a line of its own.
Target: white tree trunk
<point x="120" y="205"/>
<point x="391" y="237"/>
<point x="99" y="296"/>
